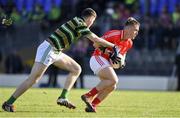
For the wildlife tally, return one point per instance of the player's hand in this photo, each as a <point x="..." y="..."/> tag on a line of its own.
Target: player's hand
<point x="7" y="21"/>
<point x="119" y="62"/>
<point x="114" y="55"/>
<point x="115" y="59"/>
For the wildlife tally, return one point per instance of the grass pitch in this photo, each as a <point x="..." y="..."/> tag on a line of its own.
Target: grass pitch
<point x="42" y="103"/>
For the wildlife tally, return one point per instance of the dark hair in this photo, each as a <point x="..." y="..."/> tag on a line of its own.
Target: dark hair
<point x="131" y="21"/>
<point x="88" y="12"/>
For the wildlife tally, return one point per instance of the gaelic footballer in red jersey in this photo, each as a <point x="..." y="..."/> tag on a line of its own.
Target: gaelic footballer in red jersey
<point x="124" y="45"/>
<point x="101" y="59"/>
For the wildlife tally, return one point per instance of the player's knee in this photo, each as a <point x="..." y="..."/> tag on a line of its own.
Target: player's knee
<point x="77" y="70"/>
<point x="114" y="87"/>
<point x="114" y="81"/>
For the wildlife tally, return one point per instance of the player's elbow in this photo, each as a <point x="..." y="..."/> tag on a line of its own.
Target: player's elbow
<point x="113" y="82"/>
<point x="76" y="70"/>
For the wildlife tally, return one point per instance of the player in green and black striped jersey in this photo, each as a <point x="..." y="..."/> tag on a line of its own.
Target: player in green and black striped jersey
<point x="74" y="29"/>
<point x="50" y="52"/>
<point x="69" y="33"/>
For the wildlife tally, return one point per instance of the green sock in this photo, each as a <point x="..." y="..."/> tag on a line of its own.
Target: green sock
<point x="64" y="94"/>
<point x="11" y="100"/>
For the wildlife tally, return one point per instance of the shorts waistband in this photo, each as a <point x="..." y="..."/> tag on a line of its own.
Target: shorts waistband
<point x="51" y="43"/>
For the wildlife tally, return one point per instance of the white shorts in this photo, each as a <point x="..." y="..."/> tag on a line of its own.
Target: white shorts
<point x="98" y="63"/>
<point x="46" y="54"/>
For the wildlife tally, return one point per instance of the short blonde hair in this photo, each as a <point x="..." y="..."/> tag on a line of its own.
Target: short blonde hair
<point x="88" y="12"/>
<point x="131" y="21"/>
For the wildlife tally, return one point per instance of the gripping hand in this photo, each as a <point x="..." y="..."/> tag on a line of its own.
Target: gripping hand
<point x="114" y="55"/>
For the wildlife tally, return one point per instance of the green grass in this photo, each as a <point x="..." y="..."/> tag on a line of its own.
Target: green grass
<point x="42" y="103"/>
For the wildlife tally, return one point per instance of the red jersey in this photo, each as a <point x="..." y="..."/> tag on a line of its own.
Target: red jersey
<point x="115" y="37"/>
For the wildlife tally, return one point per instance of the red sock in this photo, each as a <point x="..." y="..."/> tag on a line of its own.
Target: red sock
<point x="96" y="101"/>
<point x="92" y="92"/>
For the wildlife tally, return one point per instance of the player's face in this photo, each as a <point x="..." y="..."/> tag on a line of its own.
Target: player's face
<point x="133" y="31"/>
<point x="90" y="21"/>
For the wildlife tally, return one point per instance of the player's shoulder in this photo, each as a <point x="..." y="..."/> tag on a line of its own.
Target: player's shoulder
<point x="113" y="31"/>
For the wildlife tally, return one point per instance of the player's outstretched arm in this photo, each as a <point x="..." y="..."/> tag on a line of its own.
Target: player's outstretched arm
<point x="99" y="41"/>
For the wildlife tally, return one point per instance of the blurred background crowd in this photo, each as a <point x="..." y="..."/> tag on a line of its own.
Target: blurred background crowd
<point x="153" y="52"/>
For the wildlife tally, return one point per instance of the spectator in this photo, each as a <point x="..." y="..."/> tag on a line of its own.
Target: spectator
<point x="16" y="16"/>
<point x="13" y="63"/>
<point x="54" y="14"/>
<point x="176" y="14"/>
<point x="38" y="14"/>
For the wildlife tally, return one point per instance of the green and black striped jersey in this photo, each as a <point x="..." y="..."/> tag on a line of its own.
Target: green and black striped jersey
<point x="69" y="33"/>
